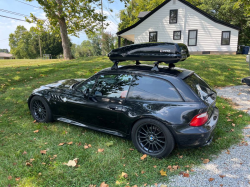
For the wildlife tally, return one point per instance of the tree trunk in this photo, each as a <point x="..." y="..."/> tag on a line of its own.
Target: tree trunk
<point x="41" y="55"/>
<point x="65" y="39"/>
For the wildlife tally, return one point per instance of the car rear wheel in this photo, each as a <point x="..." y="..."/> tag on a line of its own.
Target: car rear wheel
<point x="40" y="110"/>
<point x="153" y="138"/>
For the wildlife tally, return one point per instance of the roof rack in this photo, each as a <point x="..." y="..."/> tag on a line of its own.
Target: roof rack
<point x="159" y="52"/>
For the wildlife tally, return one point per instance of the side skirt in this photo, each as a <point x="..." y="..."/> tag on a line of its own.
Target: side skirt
<point x="90" y="127"/>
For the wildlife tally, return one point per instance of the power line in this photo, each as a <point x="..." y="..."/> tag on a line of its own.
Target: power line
<point x="28" y="4"/>
<point x="111" y="14"/>
<point x="15" y="13"/>
<point x="12" y="18"/>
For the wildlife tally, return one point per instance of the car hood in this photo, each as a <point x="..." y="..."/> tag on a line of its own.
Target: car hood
<point x="62" y="84"/>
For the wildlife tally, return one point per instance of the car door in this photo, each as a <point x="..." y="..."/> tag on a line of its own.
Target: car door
<point x="109" y="93"/>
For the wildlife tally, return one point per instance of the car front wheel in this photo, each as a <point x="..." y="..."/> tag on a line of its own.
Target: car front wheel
<point x="40" y="110"/>
<point x="153" y="138"/>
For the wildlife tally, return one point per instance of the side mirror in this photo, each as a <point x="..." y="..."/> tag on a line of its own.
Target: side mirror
<point x="97" y="93"/>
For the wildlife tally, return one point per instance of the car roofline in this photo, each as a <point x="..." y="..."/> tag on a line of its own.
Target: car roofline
<point x="182" y="75"/>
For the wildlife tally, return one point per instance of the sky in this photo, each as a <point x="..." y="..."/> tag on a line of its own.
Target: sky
<point x="8" y="25"/>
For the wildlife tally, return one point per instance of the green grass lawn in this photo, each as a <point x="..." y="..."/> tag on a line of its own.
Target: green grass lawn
<point x="19" y="143"/>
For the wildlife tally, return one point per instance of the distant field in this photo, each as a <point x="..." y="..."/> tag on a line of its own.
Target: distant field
<point x="19" y="143"/>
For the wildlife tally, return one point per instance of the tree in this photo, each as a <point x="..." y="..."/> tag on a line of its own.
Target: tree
<point x="108" y="42"/>
<point x="25" y="44"/>
<point x="72" y="16"/>
<point x="4" y="50"/>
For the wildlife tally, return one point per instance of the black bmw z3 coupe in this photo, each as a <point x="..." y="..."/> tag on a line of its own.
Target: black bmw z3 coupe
<point x="156" y="109"/>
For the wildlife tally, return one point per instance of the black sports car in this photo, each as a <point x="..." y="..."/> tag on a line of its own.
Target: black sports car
<point x="157" y="109"/>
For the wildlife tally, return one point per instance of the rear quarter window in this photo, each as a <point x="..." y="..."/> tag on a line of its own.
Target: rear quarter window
<point x="152" y="89"/>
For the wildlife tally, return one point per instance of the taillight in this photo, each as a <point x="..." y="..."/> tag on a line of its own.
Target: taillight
<point x="199" y="120"/>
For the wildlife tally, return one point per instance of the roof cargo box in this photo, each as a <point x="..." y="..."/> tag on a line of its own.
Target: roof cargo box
<point x="160" y="52"/>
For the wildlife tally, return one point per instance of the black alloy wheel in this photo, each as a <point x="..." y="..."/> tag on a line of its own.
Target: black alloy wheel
<point x="151" y="137"/>
<point x="40" y="110"/>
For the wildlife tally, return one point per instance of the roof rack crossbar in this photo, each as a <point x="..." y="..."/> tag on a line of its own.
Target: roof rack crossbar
<point x="137" y="62"/>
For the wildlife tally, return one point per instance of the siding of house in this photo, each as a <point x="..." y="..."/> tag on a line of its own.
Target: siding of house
<point x="209" y="32"/>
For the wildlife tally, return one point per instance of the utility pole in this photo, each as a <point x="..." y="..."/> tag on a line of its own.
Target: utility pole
<point x="40" y="46"/>
<point x="102" y="15"/>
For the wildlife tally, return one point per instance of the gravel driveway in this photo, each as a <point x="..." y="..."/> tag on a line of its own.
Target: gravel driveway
<point x="232" y="166"/>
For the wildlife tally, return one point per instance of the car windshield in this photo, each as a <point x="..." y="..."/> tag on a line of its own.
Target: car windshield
<point x="200" y="87"/>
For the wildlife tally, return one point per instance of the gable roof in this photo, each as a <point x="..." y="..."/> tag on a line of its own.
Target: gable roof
<point x="186" y="3"/>
<point x="5" y="55"/>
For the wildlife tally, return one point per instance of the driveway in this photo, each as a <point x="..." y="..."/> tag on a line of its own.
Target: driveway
<point x="232" y="166"/>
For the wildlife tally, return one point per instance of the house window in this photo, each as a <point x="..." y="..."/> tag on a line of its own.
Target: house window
<point x="225" y="38"/>
<point x="192" y="37"/>
<point x="177" y="35"/>
<point x="173" y="16"/>
<point x="153" y="36"/>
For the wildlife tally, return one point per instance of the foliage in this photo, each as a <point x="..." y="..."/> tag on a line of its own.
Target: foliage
<point x="25" y="44"/>
<point x="83" y="50"/>
<point x="221" y="9"/>
<point x="22" y="163"/>
<point x="4" y="50"/>
<point x="108" y="42"/>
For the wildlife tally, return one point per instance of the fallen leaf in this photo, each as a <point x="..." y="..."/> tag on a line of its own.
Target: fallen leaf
<point x="229" y="120"/>
<point x="100" y="150"/>
<point x="89" y="145"/>
<point x="175" y="167"/>
<point x="143" y="157"/>
<point x="104" y="185"/>
<point x="169" y="167"/>
<point x="9" y="177"/>
<point x="135" y="186"/>
<point x="155" y="166"/>
<point x="28" y="164"/>
<point x="43" y="163"/>
<point x="187" y="166"/>
<point x="145" y="184"/>
<point x="131" y="149"/>
<point x="221" y="184"/>
<point x="117" y="182"/>
<point x="192" y="170"/>
<point x="142" y="172"/>
<point x="18" y="178"/>
<point x="43" y="152"/>
<point x="91" y="185"/>
<point x="39" y="174"/>
<point x="108" y="144"/>
<point x="232" y="130"/>
<point x="54" y="156"/>
<point x="36" y="131"/>
<point x="163" y="173"/>
<point x="125" y="175"/>
<point x="180" y="157"/>
<point x="72" y="163"/>
<point x="163" y="185"/>
<point x="210" y="179"/>
<point x="185" y="174"/>
<point x="70" y="143"/>
<point x="240" y="116"/>
<point x="60" y="144"/>
<point x="247" y="135"/>
<point x="24" y="153"/>
<point x="86" y="146"/>
<point x="222" y="176"/>
<point x="34" y="121"/>
<point x="156" y="184"/>
<point x="233" y="124"/>
<point x="205" y="161"/>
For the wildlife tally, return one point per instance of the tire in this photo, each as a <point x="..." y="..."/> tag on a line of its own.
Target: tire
<point x="40" y="110"/>
<point x="153" y="138"/>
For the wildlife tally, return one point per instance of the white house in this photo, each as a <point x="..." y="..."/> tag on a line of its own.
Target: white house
<point x="179" y="21"/>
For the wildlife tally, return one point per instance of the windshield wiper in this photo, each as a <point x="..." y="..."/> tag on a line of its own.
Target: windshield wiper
<point x="208" y="95"/>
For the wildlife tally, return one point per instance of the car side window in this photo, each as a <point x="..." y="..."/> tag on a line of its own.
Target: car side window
<point x="88" y="84"/>
<point x="152" y="89"/>
<point x="113" y="85"/>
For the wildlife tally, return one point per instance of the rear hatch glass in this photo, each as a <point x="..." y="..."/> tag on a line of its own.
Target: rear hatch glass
<point x="201" y="88"/>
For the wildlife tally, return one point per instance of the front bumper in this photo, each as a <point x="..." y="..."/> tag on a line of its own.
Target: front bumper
<point x="197" y="136"/>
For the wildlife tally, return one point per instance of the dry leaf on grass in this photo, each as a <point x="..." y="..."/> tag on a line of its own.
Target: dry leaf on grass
<point x="175" y="167"/>
<point x="131" y="149"/>
<point x="9" y="177"/>
<point x="163" y="173"/>
<point x="86" y="146"/>
<point x="125" y="175"/>
<point x="163" y="185"/>
<point x="142" y="172"/>
<point x="205" y="161"/>
<point x="135" y="186"/>
<point x="24" y="153"/>
<point x="100" y="150"/>
<point x="43" y="152"/>
<point x="240" y="116"/>
<point x="72" y="163"/>
<point x="155" y="166"/>
<point x="70" y="143"/>
<point x="143" y="157"/>
<point x="210" y="179"/>
<point x="60" y="144"/>
<point x="28" y="164"/>
<point x="36" y="131"/>
<point x="104" y="185"/>
<point x="233" y="124"/>
<point x="18" y="178"/>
